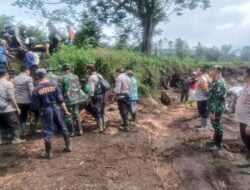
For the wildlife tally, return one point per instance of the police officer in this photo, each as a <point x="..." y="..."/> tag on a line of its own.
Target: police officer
<point x="71" y="92"/>
<point x="216" y="105"/>
<point x="123" y="90"/>
<point x="96" y="102"/>
<point x="48" y="98"/>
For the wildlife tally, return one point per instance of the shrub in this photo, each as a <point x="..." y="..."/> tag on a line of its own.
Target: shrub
<point x="150" y="70"/>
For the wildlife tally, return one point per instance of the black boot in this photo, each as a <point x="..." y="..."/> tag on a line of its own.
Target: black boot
<point x="125" y="126"/>
<point x="134" y="117"/>
<point x="217" y="142"/>
<point x="47" y="154"/>
<point x="67" y="147"/>
<point x="32" y="130"/>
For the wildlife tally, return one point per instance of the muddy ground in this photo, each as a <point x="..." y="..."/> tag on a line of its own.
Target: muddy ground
<point x="164" y="151"/>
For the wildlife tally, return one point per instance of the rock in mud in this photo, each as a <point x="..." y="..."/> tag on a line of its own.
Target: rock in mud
<point x="165" y="99"/>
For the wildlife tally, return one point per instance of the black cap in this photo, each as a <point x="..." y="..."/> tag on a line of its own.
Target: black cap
<point x="41" y="72"/>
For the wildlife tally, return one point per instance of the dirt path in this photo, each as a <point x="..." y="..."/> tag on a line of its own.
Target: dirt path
<point x="163" y="152"/>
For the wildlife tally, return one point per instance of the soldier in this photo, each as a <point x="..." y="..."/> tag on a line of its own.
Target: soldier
<point x="53" y="77"/>
<point x="71" y="93"/>
<point x="184" y="88"/>
<point x="216" y="106"/>
<point x="48" y="99"/>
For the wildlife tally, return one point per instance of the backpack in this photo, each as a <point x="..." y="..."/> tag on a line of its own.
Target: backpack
<point x="103" y="85"/>
<point x="36" y="58"/>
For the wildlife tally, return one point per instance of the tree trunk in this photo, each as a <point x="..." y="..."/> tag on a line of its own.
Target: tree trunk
<point x="147" y="37"/>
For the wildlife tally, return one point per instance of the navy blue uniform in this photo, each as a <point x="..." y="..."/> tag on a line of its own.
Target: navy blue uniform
<point x="47" y="98"/>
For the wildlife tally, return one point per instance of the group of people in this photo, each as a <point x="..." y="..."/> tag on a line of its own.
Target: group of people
<point x="57" y="100"/>
<point x="210" y="92"/>
<point x="16" y="42"/>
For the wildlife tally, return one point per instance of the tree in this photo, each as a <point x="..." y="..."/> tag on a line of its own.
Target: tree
<point x="225" y="52"/>
<point x="181" y="48"/>
<point x="212" y="54"/>
<point x="3" y="21"/>
<point x="199" y="51"/>
<point x="170" y="47"/>
<point x="149" y="13"/>
<point x="245" y="53"/>
<point x="123" y="37"/>
<point x="90" y="31"/>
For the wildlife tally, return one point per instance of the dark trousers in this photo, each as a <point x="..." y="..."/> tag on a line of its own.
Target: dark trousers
<point x="25" y="110"/>
<point x="9" y="122"/>
<point x="245" y="138"/>
<point x="218" y="130"/>
<point x="184" y="96"/>
<point x="49" y="117"/>
<point x="124" y="108"/>
<point x="96" y="106"/>
<point x="202" y="108"/>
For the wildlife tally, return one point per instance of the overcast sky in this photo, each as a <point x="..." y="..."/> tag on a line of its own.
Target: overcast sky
<point x="226" y="22"/>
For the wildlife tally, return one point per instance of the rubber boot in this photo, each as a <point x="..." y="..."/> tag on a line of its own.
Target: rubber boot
<point x="23" y="128"/>
<point x="16" y="137"/>
<point x="47" y="154"/>
<point x="217" y="142"/>
<point x="32" y="130"/>
<point x="71" y="129"/>
<point x="67" y="147"/>
<point x="104" y="122"/>
<point x="78" y="128"/>
<point x="134" y="117"/>
<point x="246" y="163"/>
<point x="125" y="126"/>
<point x="99" y="125"/>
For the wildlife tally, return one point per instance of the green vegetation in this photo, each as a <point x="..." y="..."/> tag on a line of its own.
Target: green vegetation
<point x="150" y="70"/>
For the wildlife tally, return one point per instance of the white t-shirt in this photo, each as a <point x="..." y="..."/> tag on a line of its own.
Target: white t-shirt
<point x="242" y="111"/>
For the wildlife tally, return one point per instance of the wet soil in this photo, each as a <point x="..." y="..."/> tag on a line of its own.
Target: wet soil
<point x="163" y="151"/>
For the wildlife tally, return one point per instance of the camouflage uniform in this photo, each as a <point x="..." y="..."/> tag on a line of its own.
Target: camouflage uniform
<point x="53" y="77"/>
<point x="216" y="105"/>
<point x="71" y="93"/>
